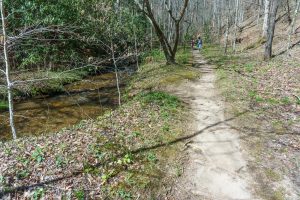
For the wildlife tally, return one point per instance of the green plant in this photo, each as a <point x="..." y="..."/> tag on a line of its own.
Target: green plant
<point x="272" y="175"/>
<point x="136" y="134"/>
<point x="38" y="155"/>
<point x="156" y="55"/>
<point x="161" y="98"/>
<point x="90" y="169"/>
<point x="249" y="67"/>
<point x="151" y="157"/>
<point x="3" y="105"/>
<point x="165" y="114"/>
<point x="278" y="194"/>
<point x="286" y="100"/>
<point x="38" y="193"/>
<point x="97" y="152"/>
<point x="183" y="57"/>
<point x="298" y="101"/>
<point x="8" y="151"/>
<point x="2" y="179"/>
<point x="128" y="179"/>
<point x="128" y="158"/>
<point x="124" y="194"/>
<point x="166" y="128"/>
<point x="22" y="174"/>
<point x="258" y="99"/>
<point x="106" y="176"/>
<point x="179" y="170"/>
<point x="23" y="160"/>
<point x="59" y="161"/>
<point x="79" y="194"/>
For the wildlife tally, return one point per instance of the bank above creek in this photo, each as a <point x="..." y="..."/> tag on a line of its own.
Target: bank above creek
<point x="127" y="153"/>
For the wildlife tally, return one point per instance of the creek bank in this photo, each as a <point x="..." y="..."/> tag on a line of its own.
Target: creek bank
<point x="126" y="153"/>
<point x="53" y="82"/>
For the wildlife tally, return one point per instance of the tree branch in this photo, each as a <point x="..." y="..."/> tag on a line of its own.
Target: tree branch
<point x="169" y="10"/>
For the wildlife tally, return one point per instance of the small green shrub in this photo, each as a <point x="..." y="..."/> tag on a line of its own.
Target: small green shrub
<point x="161" y="98"/>
<point x="22" y="174"/>
<point x="38" y="155"/>
<point x="3" y="105"/>
<point x="286" y="100"/>
<point x="38" y="193"/>
<point x="124" y="194"/>
<point x="249" y="67"/>
<point x="79" y="194"/>
<point x="156" y="55"/>
<point x="166" y="128"/>
<point x="128" y="158"/>
<point x="59" y="161"/>
<point x="298" y="101"/>
<point x="151" y="157"/>
<point x="183" y="57"/>
<point x="2" y="179"/>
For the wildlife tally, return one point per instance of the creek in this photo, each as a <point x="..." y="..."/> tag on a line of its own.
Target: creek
<point x="85" y="99"/>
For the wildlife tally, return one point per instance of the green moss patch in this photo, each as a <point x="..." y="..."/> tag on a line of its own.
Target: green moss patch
<point x="3" y="105"/>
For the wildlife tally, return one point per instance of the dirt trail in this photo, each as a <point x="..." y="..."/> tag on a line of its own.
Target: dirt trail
<point x="216" y="168"/>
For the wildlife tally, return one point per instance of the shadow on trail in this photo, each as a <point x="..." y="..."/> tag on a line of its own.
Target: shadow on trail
<point x="137" y="151"/>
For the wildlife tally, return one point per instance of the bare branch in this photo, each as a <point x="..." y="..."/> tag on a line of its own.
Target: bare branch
<point x="2" y="71"/>
<point x="169" y="10"/>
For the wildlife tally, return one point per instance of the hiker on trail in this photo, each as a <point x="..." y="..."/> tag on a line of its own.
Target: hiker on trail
<point x="192" y="43"/>
<point x="199" y="43"/>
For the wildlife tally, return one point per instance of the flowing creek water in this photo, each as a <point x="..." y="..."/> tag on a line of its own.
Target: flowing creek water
<point x="84" y="99"/>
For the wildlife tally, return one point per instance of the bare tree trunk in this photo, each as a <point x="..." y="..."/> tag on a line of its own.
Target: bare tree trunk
<point x="226" y="35"/>
<point x="292" y="26"/>
<point x="266" y="18"/>
<point x="288" y="11"/>
<point x="169" y="52"/>
<point x="7" y="74"/>
<point x="259" y="6"/>
<point x="271" y="29"/>
<point x="116" y="71"/>
<point x="169" y="24"/>
<point x="136" y="49"/>
<point x="235" y="23"/>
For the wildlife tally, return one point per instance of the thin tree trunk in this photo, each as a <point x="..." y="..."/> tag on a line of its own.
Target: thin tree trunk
<point x="169" y="52"/>
<point x="288" y="11"/>
<point x="136" y="50"/>
<point x="237" y="2"/>
<point x="226" y="35"/>
<point x="7" y="73"/>
<point x="266" y="18"/>
<point x="259" y="10"/>
<point x="169" y="24"/>
<point x="292" y="26"/>
<point x="271" y="29"/>
<point x="116" y="72"/>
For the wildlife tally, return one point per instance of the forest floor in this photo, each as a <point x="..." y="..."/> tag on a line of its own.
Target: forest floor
<point x="183" y="132"/>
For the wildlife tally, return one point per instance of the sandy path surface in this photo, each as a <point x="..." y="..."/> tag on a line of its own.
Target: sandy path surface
<point x="216" y="168"/>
